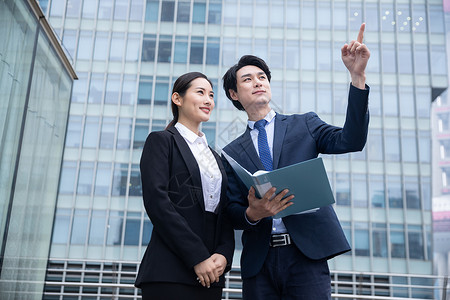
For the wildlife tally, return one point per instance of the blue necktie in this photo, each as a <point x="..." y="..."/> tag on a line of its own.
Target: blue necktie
<point x="263" y="145"/>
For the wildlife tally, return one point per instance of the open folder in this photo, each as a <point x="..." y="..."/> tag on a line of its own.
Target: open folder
<point x="307" y="180"/>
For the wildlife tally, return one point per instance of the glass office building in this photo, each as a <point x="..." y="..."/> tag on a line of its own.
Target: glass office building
<point x="128" y="53"/>
<point x="441" y="172"/>
<point x="35" y="87"/>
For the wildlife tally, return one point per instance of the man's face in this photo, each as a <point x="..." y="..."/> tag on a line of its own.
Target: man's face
<point x="253" y="88"/>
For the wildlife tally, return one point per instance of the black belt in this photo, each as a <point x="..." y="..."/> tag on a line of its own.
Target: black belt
<point x="282" y="239"/>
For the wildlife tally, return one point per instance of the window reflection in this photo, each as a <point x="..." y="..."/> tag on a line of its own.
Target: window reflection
<point x="151" y="11"/>
<point x="196" y="50"/>
<point x="74" y="131"/>
<point x="199" y="12"/>
<point x="376" y="191"/>
<point x="215" y="12"/>
<point x="115" y="223"/>
<point x="394" y="191"/>
<point x="85" y="45"/>
<point x="407" y="103"/>
<point x="105" y="9"/>
<point x="107" y="132"/>
<point x="85" y="178"/>
<point x="103" y="179"/>
<point x="165" y="48"/>
<point x="79" y="226"/>
<point x="379" y="240"/>
<point x="97" y="227"/>
<point x="120" y="179"/>
<point x="397" y="236"/>
<point x="415" y="242"/>
<point x="141" y="132"/>
<point x="181" y="49"/>
<point x="359" y="190"/>
<point x="167" y="11"/>
<point x="124" y="133"/>
<point x="421" y="59"/>
<point x="162" y="91"/>
<point x="392" y="145"/>
<point x="375" y="145"/>
<point x="61" y="226"/>
<point x="120" y="9"/>
<point x="389" y="61"/>
<point x="136" y="9"/>
<point x="308" y="15"/>
<point x="68" y="177"/>
<point x="183" y="11"/>
<point x="117" y="46"/>
<point x="412" y="192"/>
<point x="390" y="100"/>
<point x="213" y="51"/>
<point x="340" y="16"/>
<point x="132" y="229"/>
<point x="101" y="45"/>
<point x="343" y="189"/>
<point x="90" y="137"/>
<point x="361" y="239"/>
<point x="148" y="47"/>
<point x="324" y="11"/>
<point x="112" y="92"/>
<point x="96" y="88"/>
<point x="129" y="90"/>
<point x="409" y="146"/>
<point x="145" y="90"/>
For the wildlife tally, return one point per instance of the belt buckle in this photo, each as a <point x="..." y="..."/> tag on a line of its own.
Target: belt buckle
<point x="278" y="240"/>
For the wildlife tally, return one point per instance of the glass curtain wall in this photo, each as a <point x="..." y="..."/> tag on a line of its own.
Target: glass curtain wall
<point x="35" y="90"/>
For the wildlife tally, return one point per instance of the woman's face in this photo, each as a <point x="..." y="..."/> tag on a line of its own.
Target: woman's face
<point x="197" y="103"/>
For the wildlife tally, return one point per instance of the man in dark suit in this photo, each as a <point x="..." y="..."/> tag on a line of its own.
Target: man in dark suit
<point x="287" y="258"/>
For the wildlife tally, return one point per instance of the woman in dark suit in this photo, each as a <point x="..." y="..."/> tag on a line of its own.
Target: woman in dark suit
<point x="184" y="190"/>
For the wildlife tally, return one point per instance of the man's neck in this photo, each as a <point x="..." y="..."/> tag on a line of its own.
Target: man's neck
<point x="258" y="114"/>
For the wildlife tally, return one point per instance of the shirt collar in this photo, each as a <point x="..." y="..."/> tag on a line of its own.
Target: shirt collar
<point x="189" y="135"/>
<point x="269" y="118"/>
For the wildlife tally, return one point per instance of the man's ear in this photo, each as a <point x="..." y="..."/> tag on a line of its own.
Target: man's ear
<point x="233" y="95"/>
<point x="176" y="99"/>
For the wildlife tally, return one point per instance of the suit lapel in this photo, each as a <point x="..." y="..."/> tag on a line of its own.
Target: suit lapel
<point x="279" y="133"/>
<point x="190" y="161"/>
<point x="249" y="149"/>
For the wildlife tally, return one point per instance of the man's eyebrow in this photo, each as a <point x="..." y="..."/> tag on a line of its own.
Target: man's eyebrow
<point x="249" y="74"/>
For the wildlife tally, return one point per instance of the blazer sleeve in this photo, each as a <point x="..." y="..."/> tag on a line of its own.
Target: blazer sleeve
<point x="237" y="204"/>
<point x="226" y="242"/>
<point x="155" y="173"/>
<point x="352" y="137"/>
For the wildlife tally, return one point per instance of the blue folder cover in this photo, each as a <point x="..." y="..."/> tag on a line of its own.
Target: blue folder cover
<point x="307" y="180"/>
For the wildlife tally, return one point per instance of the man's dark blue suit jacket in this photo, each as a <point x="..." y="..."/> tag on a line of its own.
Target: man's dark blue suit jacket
<point x="297" y="138"/>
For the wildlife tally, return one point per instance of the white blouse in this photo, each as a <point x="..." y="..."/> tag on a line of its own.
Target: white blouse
<point x="209" y="170"/>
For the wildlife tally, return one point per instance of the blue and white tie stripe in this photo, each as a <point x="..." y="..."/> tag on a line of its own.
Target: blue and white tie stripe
<point x="263" y="145"/>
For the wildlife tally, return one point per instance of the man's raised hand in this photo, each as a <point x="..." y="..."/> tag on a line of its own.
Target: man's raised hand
<point x="355" y="56"/>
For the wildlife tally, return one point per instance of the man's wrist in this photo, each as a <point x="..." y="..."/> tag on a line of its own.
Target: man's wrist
<point x="359" y="81"/>
<point x="250" y="218"/>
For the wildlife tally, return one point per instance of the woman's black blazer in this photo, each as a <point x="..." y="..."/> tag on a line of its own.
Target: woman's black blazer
<point x="173" y="199"/>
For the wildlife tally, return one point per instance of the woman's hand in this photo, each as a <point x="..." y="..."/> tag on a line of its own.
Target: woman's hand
<point x="207" y="272"/>
<point x="221" y="263"/>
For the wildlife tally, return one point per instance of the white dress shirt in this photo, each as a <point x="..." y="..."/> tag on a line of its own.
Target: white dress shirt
<point x="210" y="174"/>
<point x="277" y="224"/>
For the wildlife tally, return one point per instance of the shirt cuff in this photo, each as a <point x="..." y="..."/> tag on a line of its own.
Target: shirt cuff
<point x="248" y="221"/>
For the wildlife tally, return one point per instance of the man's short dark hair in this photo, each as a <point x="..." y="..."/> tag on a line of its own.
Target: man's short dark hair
<point x="229" y="79"/>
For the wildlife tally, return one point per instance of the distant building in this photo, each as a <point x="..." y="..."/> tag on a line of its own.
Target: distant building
<point x="129" y="52"/>
<point x="35" y="88"/>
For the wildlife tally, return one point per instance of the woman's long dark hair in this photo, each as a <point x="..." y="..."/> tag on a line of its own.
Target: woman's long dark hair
<point x="181" y="85"/>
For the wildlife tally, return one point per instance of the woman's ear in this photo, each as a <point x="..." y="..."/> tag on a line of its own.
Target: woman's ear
<point x="176" y="98"/>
